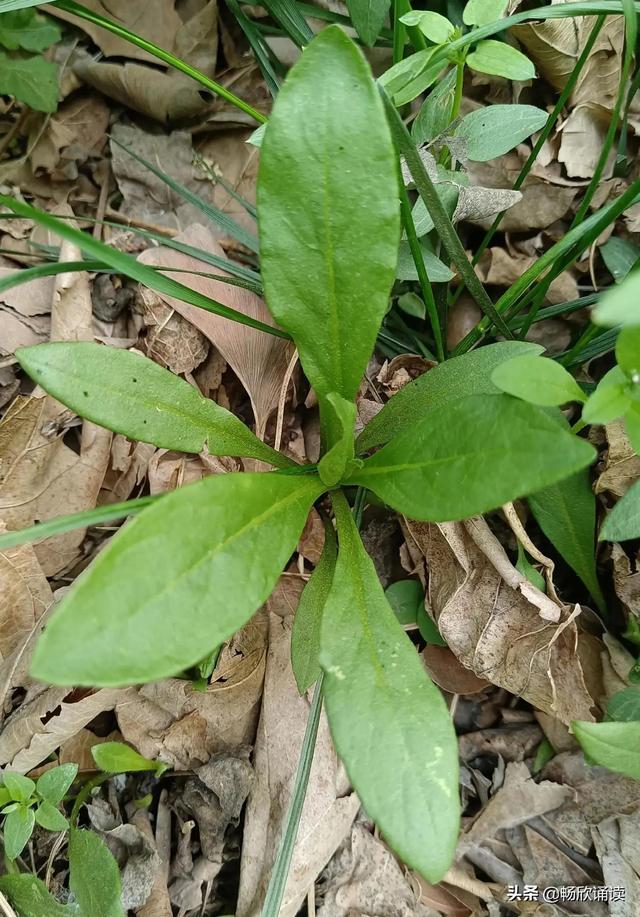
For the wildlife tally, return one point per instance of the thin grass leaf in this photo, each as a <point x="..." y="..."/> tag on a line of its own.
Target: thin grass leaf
<point x="259" y="47"/>
<point x="130" y="267"/>
<point x="287" y="13"/>
<point x="278" y="880"/>
<point x="74" y="521"/>
<point x="213" y="213"/>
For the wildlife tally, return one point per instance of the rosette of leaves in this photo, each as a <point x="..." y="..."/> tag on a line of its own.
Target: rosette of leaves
<point x="26" y="803"/>
<point x="193" y="567"/>
<point x="24" y="73"/>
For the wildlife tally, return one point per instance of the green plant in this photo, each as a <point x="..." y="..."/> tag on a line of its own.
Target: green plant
<point x="192" y="567"/>
<point x="24" y="72"/>
<point x="26" y="803"/>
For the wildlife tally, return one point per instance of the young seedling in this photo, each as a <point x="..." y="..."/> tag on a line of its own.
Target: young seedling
<point x="195" y="565"/>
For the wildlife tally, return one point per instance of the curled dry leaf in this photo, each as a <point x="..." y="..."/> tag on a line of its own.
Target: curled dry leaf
<point x="183" y="727"/>
<point x="621" y="464"/>
<point x="329" y="807"/>
<point x="617" y="847"/>
<point x="41" y="724"/>
<point x="171" y="340"/>
<point x="259" y="360"/>
<point x="495" y="625"/>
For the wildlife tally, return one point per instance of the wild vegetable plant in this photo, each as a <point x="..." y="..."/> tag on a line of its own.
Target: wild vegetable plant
<point x="25" y="803"/>
<point x="194" y="565"/>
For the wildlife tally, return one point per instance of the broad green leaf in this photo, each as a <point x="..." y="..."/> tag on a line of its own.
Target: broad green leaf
<point x="612" y="745"/>
<point x="50" y="818"/>
<point x="469" y="374"/>
<point x="389" y="723"/>
<point x="368" y="17"/>
<point x="54" y="784"/>
<point x="619" y="256"/>
<point x="624" y="706"/>
<point x="405" y="598"/>
<point x="500" y="59"/>
<point x="17" y="829"/>
<point x="437" y="271"/>
<point x="27" y="29"/>
<point x="620" y="305"/>
<point x="334" y="464"/>
<point x="5" y="796"/>
<point x="176" y="581"/>
<point x="623" y="521"/>
<point x="435" y="115"/>
<point x="305" y="636"/>
<point x="437" y="28"/>
<point x="19" y="786"/>
<point x="406" y="79"/>
<point x="628" y="352"/>
<point x="428" y="629"/>
<point x="609" y="401"/>
<point x="32" y="80"/>
<point x="130" y="394"/>
<point x="470" y="456"/>
<point x="491" y="131"/>
<point x="94" y="875"/>
<point x="566" y="513"/>
<point x="31" y="898"/>
<point x="326" y="276"/>
<point x="411" y="304"/>
<point x="118" y="758"/>
<point x="538" y="380"/>
<point x="483" y="12"/>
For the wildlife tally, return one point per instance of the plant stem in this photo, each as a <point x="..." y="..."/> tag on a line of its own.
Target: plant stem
<point x="444" y="227"/>
<point x="423" y="278"/>
<point x="416" y="37"/>
<point x="78" y="10"/>
<point x="399" y="32"/>
<point x="278" y="880"/>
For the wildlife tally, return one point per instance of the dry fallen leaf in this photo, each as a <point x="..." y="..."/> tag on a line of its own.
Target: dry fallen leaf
<point x="40" y="475"/>
<point x="24" y="596"/>
<point x="259" y="360"/>
<point x="494" y="621"/>
<point x="621" y="465"/>
<point x="329" y="807"/>
<point x="182" y="726"/>
<point x="41" y="724"/>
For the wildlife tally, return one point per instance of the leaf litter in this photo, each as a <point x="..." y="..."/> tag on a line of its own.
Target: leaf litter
<point x="521" y="662"/>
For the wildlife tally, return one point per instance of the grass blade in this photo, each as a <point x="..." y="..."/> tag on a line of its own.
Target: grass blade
<point x="213" y="213"/>
<point x="288" y="15"/>
<point x="259" y="47"/>
<point x="278" y="880"/>
<point x="130" y="267"/>
<point x="75" y="521"/>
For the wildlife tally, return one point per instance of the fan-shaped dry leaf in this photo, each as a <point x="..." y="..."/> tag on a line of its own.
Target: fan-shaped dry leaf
<point x="259" y="360"/>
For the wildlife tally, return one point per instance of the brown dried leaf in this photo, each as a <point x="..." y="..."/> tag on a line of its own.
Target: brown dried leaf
<point x="174" y="722"/>
<point x="329" y="807"/>
<point x="492" y="626"/>
<point x="259" y="360"/>
<point x="622" y="465"/>
<point x="24" y="596"/>
<point x="42" y="724"/>
<point x="617" y="843"/>
<point x="171" y="340"/>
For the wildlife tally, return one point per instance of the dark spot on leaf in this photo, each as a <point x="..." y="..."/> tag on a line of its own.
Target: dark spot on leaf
<point x="86" y="394"/>
<point x="134" y="380"/>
